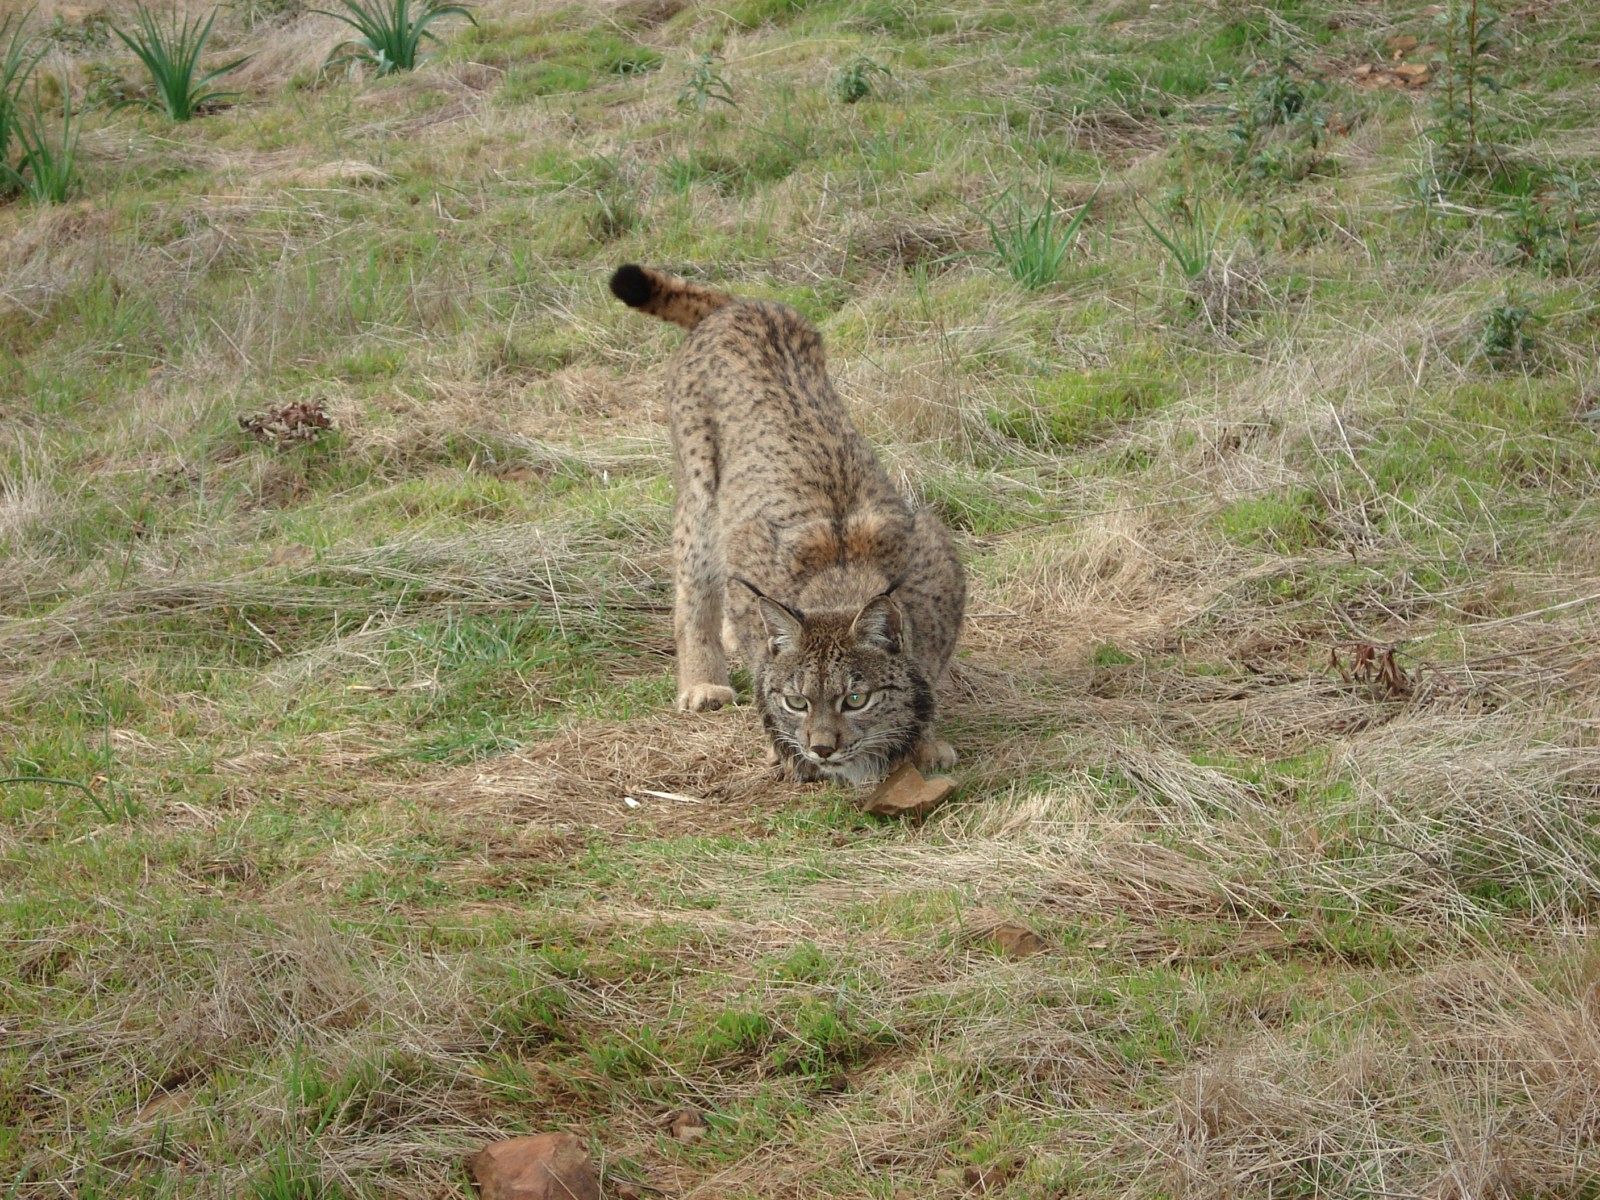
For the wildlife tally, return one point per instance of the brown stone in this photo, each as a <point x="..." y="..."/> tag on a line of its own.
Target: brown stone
<point x="1017" y="941"/>
<point x="166" y="1105"/>
<point x="547" y="1166"/>
<point x="686" y="1125"/>
<point x="1402" y="43"/>
<point x="907" y="794"/>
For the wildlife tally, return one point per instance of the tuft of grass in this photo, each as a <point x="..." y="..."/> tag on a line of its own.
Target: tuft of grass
<point x="1190" y="243"/>
<point x="392" y="31"/>
<point x="47" y="171"/>
<point x="19" y="54"/>
<point x="171" y="53"/>
<point x="1030" y="240"/>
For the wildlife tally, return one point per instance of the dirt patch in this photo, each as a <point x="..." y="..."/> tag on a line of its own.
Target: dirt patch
<point x="910" y="246"/>
<point x="649" y="13"/>
<point x="661" y="775"/>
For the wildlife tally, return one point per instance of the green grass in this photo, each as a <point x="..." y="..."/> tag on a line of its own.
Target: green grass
<point x="346" y="823"/>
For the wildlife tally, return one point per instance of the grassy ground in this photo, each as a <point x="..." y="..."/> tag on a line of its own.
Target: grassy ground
<point x="350" y="884"/>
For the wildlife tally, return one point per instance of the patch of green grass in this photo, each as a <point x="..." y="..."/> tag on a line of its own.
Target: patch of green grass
<point x="1287" y="524"/>
<point x="1075" y="409"/>
<point x="567" y="62"/>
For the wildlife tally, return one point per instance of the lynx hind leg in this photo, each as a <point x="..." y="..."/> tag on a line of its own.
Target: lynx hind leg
<point x="932" y="754"/>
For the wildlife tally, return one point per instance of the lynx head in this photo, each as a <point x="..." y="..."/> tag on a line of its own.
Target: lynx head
<point x="838" y="693"/>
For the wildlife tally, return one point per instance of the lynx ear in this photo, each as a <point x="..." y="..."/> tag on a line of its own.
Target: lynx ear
<point x="783" y="623"/>
<point x="878" y="623"/>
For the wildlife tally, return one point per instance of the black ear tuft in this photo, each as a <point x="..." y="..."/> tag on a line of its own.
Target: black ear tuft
<point x="632" y="286"/>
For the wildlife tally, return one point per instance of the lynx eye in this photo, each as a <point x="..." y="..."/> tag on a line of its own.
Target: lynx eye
<point x="795" y="702"/>
<point x="857" y="699"/>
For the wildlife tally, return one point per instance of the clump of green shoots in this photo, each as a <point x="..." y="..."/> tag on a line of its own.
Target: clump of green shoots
<point x="31" y="163"/>
<point x="392" y="31"/>
<point x="1188" y="241"/>
<point x="706" y="83"/>
<point x="1029" y="240"/>
<point x="854" y="81"/>
<point x="171" y="53"/>
<point x="48" y="169"/>
<point x="1280" y="123"/>
<point x="19" y="54"/>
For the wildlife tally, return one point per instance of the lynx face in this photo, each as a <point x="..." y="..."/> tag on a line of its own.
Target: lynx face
<point x="838" y="695"/>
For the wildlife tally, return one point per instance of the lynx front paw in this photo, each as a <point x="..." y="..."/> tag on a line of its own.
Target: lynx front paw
<point x="933" y="755"/>
<point x="704" y="697"/>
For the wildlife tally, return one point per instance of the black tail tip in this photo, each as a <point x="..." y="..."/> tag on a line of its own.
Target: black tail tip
<point x="631" y="285"/>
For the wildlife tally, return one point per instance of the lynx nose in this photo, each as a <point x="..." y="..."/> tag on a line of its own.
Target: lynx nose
<point x="823" y="749"/>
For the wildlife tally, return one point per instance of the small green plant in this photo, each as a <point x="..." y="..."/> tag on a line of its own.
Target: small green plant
<point x="1189" y="241"/>
<point x="47" y="171"/>
<point x="1506" y="333"/>
<point x="104" y="86"/>
<point x="706" y="83"/>
<point x="392" y="31"/>
<point x="171" y="54"/>
<point x="1468" y="40"/>
<point x="92" y="32"/>
<point x="854" y="81"/>
<point x="1030" y="240"/>
<point x="1548" y="228"/>
<point x="1279" y="125"/>
<point x="19" y="54"/>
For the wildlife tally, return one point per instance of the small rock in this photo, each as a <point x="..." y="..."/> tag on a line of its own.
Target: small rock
<point x="547" y="1166"/>
<point x="686" y="1125"/>
<point x="1017" y="941"/>
<point x="1414" y="74"/>
<point x="1401" y="44"/>
<point x="284" y="556"/>
<point x="983" y="1180"/>
<point x="164" y="1105"/>
<point x="907" y="794"/>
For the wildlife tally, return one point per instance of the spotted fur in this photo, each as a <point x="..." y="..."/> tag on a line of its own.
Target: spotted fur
<point x="844" y="601"/>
